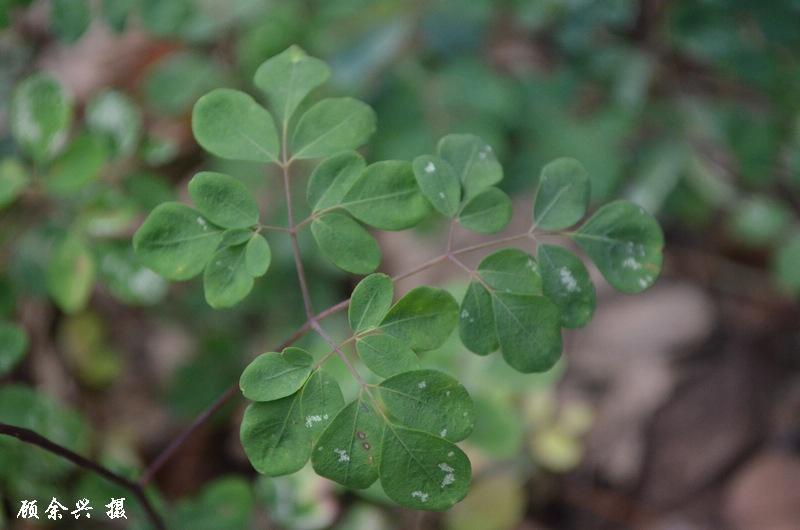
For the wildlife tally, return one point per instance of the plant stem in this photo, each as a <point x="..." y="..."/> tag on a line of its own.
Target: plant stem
<point x="33" y="438"/>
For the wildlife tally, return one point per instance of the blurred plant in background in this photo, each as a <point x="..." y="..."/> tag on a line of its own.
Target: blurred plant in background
<point x="685" y="108"/>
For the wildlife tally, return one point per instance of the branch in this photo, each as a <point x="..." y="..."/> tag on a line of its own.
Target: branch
<point x="33" y="438"/>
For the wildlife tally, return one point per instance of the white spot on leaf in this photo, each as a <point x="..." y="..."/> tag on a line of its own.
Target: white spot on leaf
<point x="430" y="168"/>
<point x="343" y="456"/>
<point x="568" y="280"/>
<point x="632" y="264"/>
<point x="421" y="495"/>
<point x="422" y="384"/>
<point x="449" y="476"/>
<point x="443" y="433"/>
<point x="312" y="419"/>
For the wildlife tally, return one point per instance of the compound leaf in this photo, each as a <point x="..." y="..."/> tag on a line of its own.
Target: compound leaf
<point x="474" y="162"/>
<point x="439" y="183"/>
<point x="176" y="241"/>
<point x="230" y="124"/>
<point x="273" y="375"/>
<point x="288" y="78"/>
<point x="487" y="212"/>
<point x="223" y="200"/>
<point x="563" y="195"/>
<point x="320" y="400"/>
<point x="386" y="196"/>
<point x="511" y="270"/>
<point x="226" y="280"/>
<point x="423" y="318"/>
<point x="430" y="401"/>
<point x="476" y="321"/>
<point x="370" y="301"/>
<point x="332" y="179"/>
<point x="40" y="116"/>
<point x="346" y="243"/>
<point x="625" y="243"/>
<point x="386" y="355"/>
<point x="332" y="125"/>
<point x="257" y="256"/>
<point x="349" y="448"/>
<point x="566" y="282"/>
<point x="422" y="471"/>
<point x="274" y="436"/>
<point x="529" y="331"/>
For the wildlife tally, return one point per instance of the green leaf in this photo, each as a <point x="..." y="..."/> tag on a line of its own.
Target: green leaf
<point x="346" y="243"/>
<point x="274" y="436"/>
<point x="476" y="321"/>
<point x="177" y="80"/>
<point x="625" y="243"/>
<point x="272" y="376"/>
<point x="786" y="264"/>
<point x="473" y="160"/>
<point x="70" y="274"/>
<point x="422" y="471"/>
<point x="78" y="165"/>
<point x="176" y="241"/>
<point x="13" y="344"/>
<point x="226" y="280"/>
<point x="40" y="116"/>
<point x="236" y="236"/>
<point x="430" y="401"/>
<point x="230" y="124"/>
<point x="330" y="126"/>
<point x="224" y="200"/>
<point x="288" y="78"/>
<point x="511" y="270"/>
<point x="115" y="13"/>
<point x="13" y="180"/>
<point x="563" y="195"/>
<point x="567" y="283"/>
<point x="333" y="178"/>
<point x="70" y="18"/>
<point x="759" y="220"/>
<point x="487" y="212"/>
<point x="370" y="301"/>
<point x="258" y="256"/>
<point x="529" y="331"/>
<point x="423" y="318"/>
<point x="386" y="355"/>
<point x="225" y="504"/>
<point x="348" y="450"/>
<point x="386" y="196"/>
<point x="320" y="401"/>
<point x="439" y="183"/>
<point x="113" y="115"/>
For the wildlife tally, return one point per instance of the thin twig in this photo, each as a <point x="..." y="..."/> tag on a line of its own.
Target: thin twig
<point x="33" y="438"/>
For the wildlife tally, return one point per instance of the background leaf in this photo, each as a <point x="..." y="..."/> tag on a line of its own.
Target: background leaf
<point x="13" y="344"/>
<point x="40" y="116"/>
<point x="71" y="274"/>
